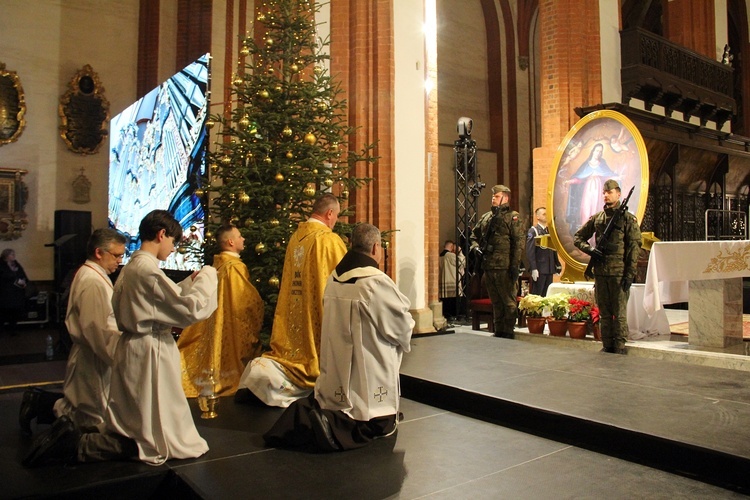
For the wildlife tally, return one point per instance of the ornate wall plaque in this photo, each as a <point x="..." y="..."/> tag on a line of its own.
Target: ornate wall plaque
<point x="13" y="196"/>
<point x="12" y="106"/>
<point x="84" y="113"/>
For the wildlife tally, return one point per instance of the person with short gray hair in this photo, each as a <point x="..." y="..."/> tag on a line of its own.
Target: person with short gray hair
<point x="93" y="330"/>
<point x="366" y="329"/>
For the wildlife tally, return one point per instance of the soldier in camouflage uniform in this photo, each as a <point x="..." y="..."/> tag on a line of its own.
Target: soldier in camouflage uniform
<point x="500" y="237"/>
<point x="614" y="275"/>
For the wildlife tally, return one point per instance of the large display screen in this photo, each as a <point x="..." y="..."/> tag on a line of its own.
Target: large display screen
<point x="156" y="160"/>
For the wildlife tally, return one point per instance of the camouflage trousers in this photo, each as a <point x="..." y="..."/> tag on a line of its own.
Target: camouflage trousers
<point x="502" y="291"/>
<point x="613" y="309"/>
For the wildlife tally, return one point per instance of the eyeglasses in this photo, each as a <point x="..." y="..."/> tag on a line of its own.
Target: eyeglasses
<point x="117" y="256"/>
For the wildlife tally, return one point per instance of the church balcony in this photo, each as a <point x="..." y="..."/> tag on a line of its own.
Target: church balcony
<point x="662" y="73"/>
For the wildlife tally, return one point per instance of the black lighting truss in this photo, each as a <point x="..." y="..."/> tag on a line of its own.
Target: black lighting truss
<point x="468" y="189"/>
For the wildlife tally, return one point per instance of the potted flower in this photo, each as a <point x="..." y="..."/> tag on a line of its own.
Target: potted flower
<point x="559" y="306"/>
<point x="582" y="317"/>
<point x="533" y="306"/>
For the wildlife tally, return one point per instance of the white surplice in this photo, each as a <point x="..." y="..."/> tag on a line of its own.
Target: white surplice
<point x="366" y="329"/>
<point x="146" y="400"/>
<point x="93" y="329"/>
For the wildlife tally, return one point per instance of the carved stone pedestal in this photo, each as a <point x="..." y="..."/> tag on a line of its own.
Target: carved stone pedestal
<point x="715" y="309"/>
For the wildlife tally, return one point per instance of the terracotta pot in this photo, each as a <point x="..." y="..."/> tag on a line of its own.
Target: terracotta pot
<point x="597" y="333"/>
<point x="578" y="329"/>
<point x="557" y="327"/>
<point x="536" y="325"/>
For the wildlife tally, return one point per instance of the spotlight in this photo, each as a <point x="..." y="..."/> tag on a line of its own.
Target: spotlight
<point x="464" y="127"/>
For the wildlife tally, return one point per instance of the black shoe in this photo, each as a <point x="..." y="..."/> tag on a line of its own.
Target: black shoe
<point x="503" y="335"/>
<point x="322" y="431"/>
<point x="60" y="442"/>
<point x="29" y="409"/>
<point x="607" y="349"/>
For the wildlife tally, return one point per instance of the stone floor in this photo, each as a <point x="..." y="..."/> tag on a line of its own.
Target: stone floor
<point x="484" y="418"/>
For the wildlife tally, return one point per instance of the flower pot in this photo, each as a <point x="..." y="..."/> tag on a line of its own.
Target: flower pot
<point x="557" y="327"/>
<point x="536" y="325"/>
<point x="597" y="333"/>
<point x="577" y="329"/>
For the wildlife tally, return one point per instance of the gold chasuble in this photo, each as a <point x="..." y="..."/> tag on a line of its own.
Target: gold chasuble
<point x="314" y="251"/>
<point x="229" y="338"/>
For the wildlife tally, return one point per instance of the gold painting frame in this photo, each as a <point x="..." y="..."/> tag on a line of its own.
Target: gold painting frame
<point x="614" y="145"/>
<point x="12" y="106"/>
<point x="13" y="197"/>
<point x="84" y="113"/>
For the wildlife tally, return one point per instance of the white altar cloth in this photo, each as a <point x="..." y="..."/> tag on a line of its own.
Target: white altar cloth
<point x="673" y="264"/>
<point x="640" y="324"/>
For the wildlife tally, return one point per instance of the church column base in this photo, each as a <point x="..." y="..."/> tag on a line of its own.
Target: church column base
<point x="423" y="319"/>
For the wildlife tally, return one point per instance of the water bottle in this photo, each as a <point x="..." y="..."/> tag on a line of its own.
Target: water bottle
<point x="49" y="352"/>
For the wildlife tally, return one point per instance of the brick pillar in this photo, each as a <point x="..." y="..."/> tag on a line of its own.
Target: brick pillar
<point x="362" y="61"/>
<point x="570" y="76"/>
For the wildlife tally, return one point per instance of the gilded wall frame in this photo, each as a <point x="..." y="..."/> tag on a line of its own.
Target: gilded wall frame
<point x="12" y="106"/>
<point x="602" y="145"/>
<point x="84" y="113"/>
<point x="13" y="197"/>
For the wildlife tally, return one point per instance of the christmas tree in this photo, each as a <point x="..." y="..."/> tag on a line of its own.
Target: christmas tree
<point x="284" y="144"/>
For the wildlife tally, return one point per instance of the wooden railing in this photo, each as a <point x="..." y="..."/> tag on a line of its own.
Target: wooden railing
<point x="663" y="73"/>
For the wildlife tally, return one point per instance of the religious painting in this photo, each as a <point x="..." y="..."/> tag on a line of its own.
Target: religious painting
<point x="602" y="145"/>
<point x="12" y="106"/>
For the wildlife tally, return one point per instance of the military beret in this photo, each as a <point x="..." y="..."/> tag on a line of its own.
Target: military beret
<point x="500" y="189"/>
<point x="611" y="184"/>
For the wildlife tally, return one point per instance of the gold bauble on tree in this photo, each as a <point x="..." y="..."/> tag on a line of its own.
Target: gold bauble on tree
<point x="267" y="159"/>
<point x="274" y="222"/>
<point x="309" y="191"/>
<point x="210" y="124"/>
<point x="226" y="160"/>
<point x="289" y="155"/>
<point x="214" y="167"/>
<point x="345" y="194"/>
<point x="274" y="281"/>
<point x="294" y="68"/>
<point x="249" y="223"/>
<point x="260" y="247"/>
<point x="244" y="121"/>
<point x="279" y="177"/>
<point x="318" y="70"/>
<point x="328" y="182"/>
<point x="244" y="198"/>
<point x="287" y="131"/>
<point x="199" y="193"/>
<point x="244" y="51"/>
<point x="315" y="171"/>
<point x="264" y="94"/>
<point x="310" y="138"/>
<point x="269" y="41"/>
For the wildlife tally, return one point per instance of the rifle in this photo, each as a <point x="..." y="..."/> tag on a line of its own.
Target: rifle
<point x="597" y="255"/>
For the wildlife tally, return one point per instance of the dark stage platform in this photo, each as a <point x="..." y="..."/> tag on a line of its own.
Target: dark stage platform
<point x="573" y="424"/>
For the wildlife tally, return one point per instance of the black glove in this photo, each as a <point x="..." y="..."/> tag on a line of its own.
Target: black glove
<point x="596" y="254"/>
<point x="477" y="251"/>
<point x="625" y="283"/>
<point x="514" y="272"/>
